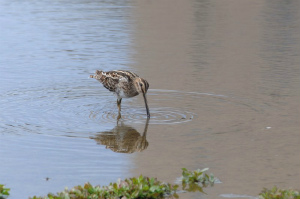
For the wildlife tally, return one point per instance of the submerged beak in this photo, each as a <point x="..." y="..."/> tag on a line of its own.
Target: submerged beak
<point x="146" y="104"/>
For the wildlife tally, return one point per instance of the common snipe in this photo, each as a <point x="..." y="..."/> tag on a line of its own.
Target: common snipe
<point x="124" y="84"/>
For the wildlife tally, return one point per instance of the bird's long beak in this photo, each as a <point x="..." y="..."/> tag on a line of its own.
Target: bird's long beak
<point x="146" y="104"/>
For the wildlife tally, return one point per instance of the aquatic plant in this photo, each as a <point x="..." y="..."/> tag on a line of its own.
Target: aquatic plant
<point x="276" y="193"/>
<point x="141" y="187"/>
<point x="196" y="180"/>
<point x="135" y="188"/>
<point x="197" y="176"/>
<point x="4" y="192"/>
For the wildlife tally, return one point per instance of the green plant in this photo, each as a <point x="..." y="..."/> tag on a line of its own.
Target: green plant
<point x="141" y="187"/>
<point x="4" y="192"/>
<point x="196" y="180"/>
<point x="276" y="193"/>
<point x="197" y="176"/>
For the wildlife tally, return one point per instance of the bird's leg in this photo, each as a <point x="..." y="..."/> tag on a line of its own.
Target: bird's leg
<point x="119" y="106"/>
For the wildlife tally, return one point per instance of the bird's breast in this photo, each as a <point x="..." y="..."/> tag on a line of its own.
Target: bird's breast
<point x="125" y="93"/>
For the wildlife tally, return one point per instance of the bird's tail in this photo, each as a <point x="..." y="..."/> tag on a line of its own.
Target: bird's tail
<point x="97" y="76"/>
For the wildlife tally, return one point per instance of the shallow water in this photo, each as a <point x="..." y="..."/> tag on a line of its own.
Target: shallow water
<point x="224" y="93"/>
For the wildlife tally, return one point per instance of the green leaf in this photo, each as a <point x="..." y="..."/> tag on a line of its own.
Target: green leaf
<point x="145" y="188"/>
<point x="135" y="194"/>
<point x="115" y="186"/>
<point x="154" y="188"/>
<point x="175" y="195"/>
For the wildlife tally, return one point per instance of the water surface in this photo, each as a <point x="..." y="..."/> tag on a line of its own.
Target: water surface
<point x="224" y="93"/>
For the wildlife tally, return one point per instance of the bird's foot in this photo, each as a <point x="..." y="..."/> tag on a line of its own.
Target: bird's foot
<point x="119" y="117"/>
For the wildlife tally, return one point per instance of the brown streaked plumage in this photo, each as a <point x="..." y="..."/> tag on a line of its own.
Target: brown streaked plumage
<point x="124" y="84"/>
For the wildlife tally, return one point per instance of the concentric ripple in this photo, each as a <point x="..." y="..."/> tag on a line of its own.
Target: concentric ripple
<point x="78" y="109"/>
<point x="166" y="107"/>
<point x="164" y="115"/>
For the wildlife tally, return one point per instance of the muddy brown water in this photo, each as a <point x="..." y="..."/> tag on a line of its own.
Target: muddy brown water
<point x="224" y="93"/>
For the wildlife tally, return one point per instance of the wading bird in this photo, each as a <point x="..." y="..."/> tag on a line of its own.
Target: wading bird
<point x="124" y="84"/>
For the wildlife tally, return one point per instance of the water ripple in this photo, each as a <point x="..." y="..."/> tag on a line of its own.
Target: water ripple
<point x="61" y="110"/>
<point x="166" y="107"/>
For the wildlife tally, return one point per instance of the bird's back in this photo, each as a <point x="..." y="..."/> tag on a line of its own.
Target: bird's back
<point x="118" y="81"/>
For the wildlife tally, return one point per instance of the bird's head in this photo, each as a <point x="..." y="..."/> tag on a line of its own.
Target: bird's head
<point x="141" y="85"/>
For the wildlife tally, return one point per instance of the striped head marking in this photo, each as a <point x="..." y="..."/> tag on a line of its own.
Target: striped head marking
<point x="141" y="85"/>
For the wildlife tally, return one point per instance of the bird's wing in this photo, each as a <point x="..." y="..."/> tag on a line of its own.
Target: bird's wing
<point x="110" y="80"/>
<point x="114" y="79"/>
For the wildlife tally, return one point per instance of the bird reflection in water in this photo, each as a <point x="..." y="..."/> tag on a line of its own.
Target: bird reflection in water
<point x="123" y="139"/>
